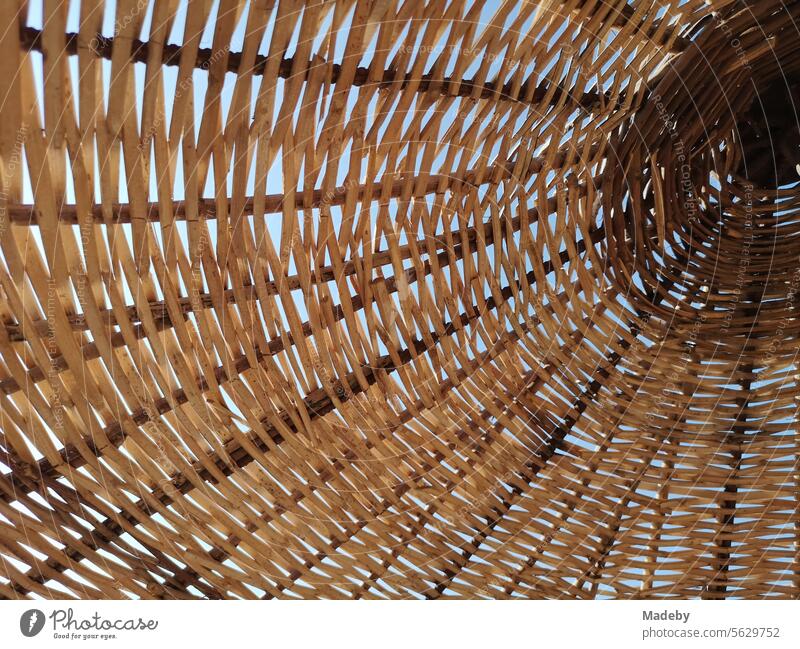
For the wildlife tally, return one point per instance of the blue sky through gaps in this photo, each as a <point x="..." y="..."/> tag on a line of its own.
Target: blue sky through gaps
<point x="273" y="182"/>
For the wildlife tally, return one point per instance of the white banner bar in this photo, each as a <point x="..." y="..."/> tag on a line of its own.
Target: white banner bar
<point x="404" y="624"/>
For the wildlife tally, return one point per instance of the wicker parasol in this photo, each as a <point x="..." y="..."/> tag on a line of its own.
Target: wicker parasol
<point x="399" y="298"/>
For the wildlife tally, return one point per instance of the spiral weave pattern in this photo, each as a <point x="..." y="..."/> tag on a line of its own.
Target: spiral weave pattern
<point x="399" y="299"/>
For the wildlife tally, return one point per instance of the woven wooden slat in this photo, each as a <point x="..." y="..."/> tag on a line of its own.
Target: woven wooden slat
<point x="369" y="299"/>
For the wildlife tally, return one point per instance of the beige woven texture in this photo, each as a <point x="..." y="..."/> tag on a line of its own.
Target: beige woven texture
<point x="399" y="299"/>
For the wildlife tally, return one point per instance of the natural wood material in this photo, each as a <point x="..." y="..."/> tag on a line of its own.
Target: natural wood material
<point x="367" y="299"/>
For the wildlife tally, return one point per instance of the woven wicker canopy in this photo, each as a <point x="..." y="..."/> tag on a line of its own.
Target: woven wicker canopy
<point x="399" y="298"/>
